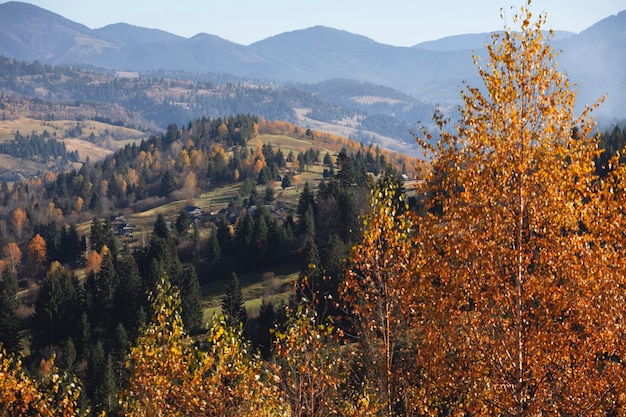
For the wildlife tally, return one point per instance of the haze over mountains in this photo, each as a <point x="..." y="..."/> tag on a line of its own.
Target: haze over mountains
<point x="433" y="71"/>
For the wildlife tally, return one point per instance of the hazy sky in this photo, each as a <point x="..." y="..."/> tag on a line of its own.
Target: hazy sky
<point x="395" y="22"/>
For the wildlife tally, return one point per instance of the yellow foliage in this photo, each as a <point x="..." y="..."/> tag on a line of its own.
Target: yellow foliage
<point x="55" y="395"/>
<point x="169" y="375"/>
<point x="522" y="242"/>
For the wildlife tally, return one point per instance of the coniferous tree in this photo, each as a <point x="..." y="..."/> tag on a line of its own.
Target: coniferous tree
<point x="168" y="184"/>
<point x="160" y="227"/>
<point x="105" y="392"/>
<point x="310" y="275"/>
<point x="213" y="246"/>
<point x="233" y="306"/>
<point x="56" y="308"/>
<point x="100" y="289"/>
<point x="306" y="200"/>
<point x="9" y="330"/>
<point x="286" y="181"/>
<point x="129" y="294"/>
<point x="224" y="235"/>
<point x="191" y="299"/>
<point x="182" y="223"/>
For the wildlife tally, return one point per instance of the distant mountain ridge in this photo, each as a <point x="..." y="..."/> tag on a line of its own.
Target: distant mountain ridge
<point x="434" y="71"/>
<point x="472" y="41"/>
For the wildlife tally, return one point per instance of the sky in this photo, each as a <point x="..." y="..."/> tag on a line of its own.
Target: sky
<point x="393" y="22"/>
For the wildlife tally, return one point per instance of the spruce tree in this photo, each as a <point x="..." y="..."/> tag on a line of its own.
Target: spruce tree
<point x="191" y="297"/>
<point x="9" y="329"/>
<point x="213" y="246"/>
<point x="233" y="306"/>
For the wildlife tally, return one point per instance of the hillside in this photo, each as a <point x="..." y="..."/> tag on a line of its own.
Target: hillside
<point x="239" y="195"/>
<point x="85" y="132"/>
<point x="150" y="101"/>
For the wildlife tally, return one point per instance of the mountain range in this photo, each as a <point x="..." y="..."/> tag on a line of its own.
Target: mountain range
<point x="432" y="71"/>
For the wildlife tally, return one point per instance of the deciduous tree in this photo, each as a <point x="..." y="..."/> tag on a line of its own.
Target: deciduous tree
<point x="525" y="244"/>
<point x="36" y="252"/>
<point x="380" y="293"/>
<point x="309" y="363"/>
<point x="55" y="394"/>
<point x="12" y="255"/>
<point x="169" y="375"/>
<point x="18" y="220"/>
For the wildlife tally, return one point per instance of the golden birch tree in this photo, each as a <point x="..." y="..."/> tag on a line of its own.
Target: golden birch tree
<point x="53" y="394"/>
<point x="381" y="294"/>
<point x="12" y="255"/>
<point x="310" y="366"/>
<point x="525" y="244"/>
<point x="19" y="219"/>
<point x="171" y="376"/>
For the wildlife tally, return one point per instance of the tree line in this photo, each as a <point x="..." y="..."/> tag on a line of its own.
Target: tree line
<point x="38" y="148"/>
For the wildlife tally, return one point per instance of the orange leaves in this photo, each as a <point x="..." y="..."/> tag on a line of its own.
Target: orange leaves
<point x="36" y="252"/>
<point x="78" y="204"/>
<point x="522" y="245"/>
<point x="381" y="290"/>
<point x="94" y="260"/>
<point x="54" y="395"/>
<point x="18" y="220"/>
<point x="309" y="366"/>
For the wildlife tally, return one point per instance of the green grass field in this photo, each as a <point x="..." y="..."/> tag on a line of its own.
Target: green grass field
<point x="256" y="287"/>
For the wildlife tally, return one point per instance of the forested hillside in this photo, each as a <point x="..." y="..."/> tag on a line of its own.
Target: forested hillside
<point x="160" y="98"/>
<point x="496" y="285"/>
<point x="82" y="248"/>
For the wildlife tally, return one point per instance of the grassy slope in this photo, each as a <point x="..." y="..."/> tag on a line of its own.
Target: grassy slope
<point x="108" y="138"/>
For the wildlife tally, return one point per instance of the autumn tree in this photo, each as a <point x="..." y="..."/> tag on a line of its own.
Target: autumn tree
<point x="169" y="375"/>
<point x="78" y="204"/>
<point x="380" y="294"/>
<point x="54" y="394"/>
<point x="94" y="260"/>
<point x="313" y="374"/>
<point x="12" y="255"/>
<point x="36" y="253"/>
<point x="524" y="245"/>
<point x="19" y="220"/>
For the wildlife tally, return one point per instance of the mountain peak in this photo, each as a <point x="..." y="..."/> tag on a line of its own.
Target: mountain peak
<point x="315" y="36"/>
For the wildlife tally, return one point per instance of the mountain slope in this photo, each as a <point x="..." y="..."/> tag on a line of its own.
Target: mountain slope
<point x="472" y="41"/>
<point x="32" y="33"/>
<point x="595" y="60"/>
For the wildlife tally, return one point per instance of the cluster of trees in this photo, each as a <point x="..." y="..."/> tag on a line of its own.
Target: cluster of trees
<point x="612" y="143"/>
<point x="37" y="147"/>
<point x="89" y="324"/>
